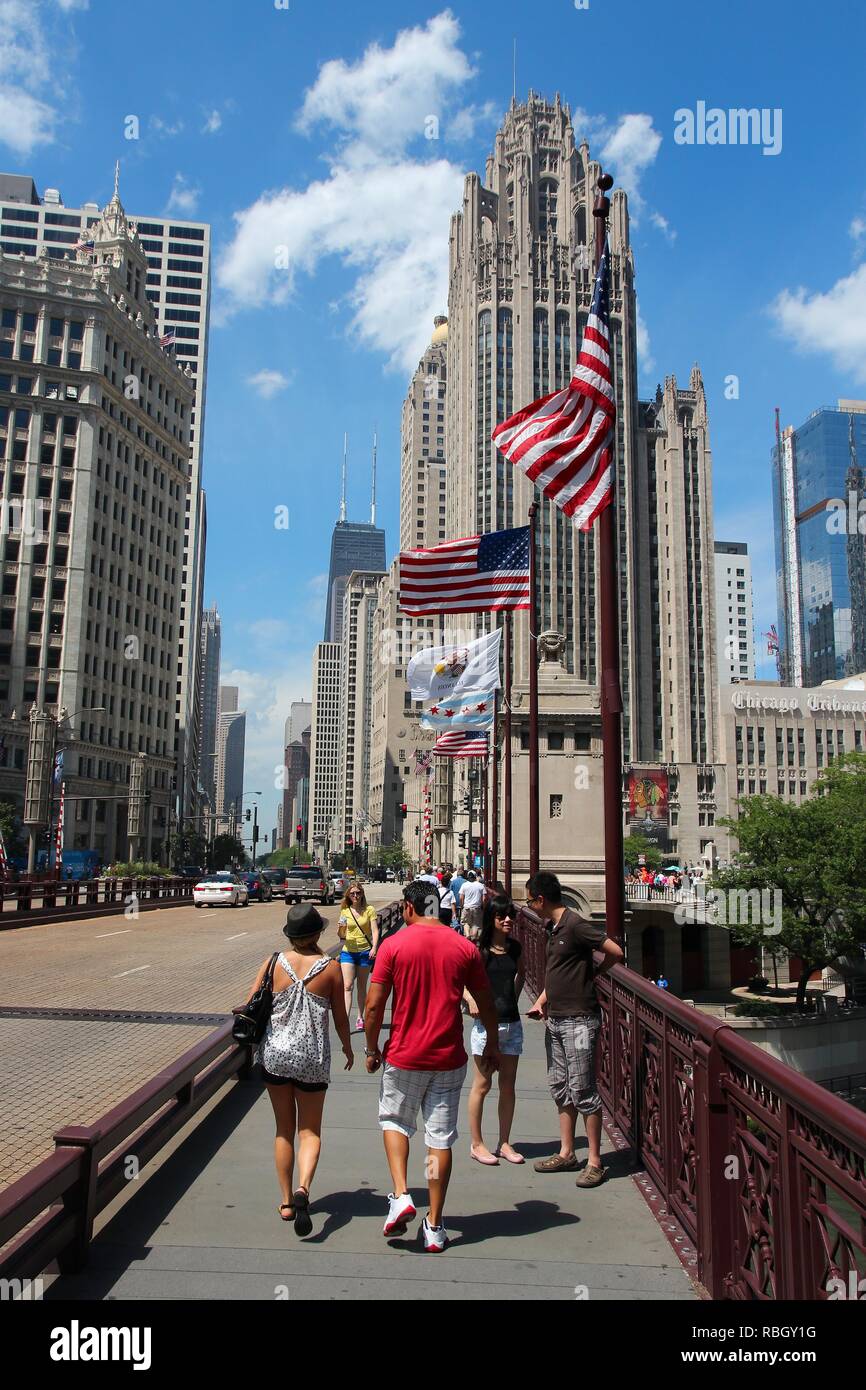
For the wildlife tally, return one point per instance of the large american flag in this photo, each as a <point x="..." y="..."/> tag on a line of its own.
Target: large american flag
<point x="564" y="441"/>
<point x="466" y="744"/>
<point x="478" y="574"/>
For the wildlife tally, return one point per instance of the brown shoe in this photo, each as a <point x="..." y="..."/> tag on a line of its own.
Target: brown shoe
<point x="556" y="1164"/>
<point x="590" y="1177"/>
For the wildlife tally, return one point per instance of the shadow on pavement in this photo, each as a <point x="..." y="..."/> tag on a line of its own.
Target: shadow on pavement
<point x="523" y="1219"/>
<point x="128" y="1234"/>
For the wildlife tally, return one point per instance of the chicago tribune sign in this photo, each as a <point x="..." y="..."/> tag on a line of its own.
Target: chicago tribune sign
<point x="793" y="704"/>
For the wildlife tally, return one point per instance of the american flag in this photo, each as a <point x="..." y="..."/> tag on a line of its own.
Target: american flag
<point x="461" y="745"/>
<point x="167" y="339"/>
<point x="478" y="574"/>
<point x="58" y="841"/>
<point x="772" y="639"/>
<point x="84" y="243"/>
<point x="563" y="442"/>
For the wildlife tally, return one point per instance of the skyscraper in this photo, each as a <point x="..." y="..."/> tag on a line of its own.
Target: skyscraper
<point x="178" y="287"/>
<point x="231" y="738"/>
<point x="324" y="749"/>
<point x="211" y="641"/>
<point x="520" y="285"/>
<point x="355" y="545"/>
<point x="94" y="422"/>
<point x="422" y="447"/>
<point x="735" y="635"/>
<point x="819" y="507"/>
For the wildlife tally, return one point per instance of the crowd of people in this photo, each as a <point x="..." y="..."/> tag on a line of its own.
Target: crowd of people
<point x="456" y="951"/>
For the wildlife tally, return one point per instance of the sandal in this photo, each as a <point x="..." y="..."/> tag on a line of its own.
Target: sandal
<point x="303" y="1224"/>
<point x="556" y="1164"/>
<point x="590" y="1177"/>
<point x="290" y="1206"/>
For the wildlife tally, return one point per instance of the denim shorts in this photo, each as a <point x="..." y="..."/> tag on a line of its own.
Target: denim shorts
<point x="510" y="1039"/>
<point x="358" y="958"/>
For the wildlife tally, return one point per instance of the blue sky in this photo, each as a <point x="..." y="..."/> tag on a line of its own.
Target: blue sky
<point x="304" y="128"/>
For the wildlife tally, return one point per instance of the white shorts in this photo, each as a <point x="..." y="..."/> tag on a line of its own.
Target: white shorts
<point x="510" y="1039"/>
<point x="436" y="1093"/>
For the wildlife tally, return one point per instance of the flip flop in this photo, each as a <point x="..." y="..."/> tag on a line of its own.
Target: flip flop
<point x="303" y="1224"/>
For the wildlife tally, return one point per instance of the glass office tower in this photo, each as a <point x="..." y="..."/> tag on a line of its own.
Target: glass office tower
<point x="819" y="510"/>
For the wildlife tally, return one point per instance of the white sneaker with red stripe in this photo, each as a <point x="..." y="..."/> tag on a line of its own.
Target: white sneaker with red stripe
<point x="401" y="1210"/>
<point x="435" y="1237"/>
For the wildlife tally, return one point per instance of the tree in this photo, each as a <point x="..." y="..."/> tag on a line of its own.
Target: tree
<point x="10" y="824"/>
<point x="812" y="855"/>
<point x="636" y="845"/>
<point x="187" y="846"/>
<point x="285" y="858"/>
<point x="226" y="849"/>
<point x="392" y="856"/>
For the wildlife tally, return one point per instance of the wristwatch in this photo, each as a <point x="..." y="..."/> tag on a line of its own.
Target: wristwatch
<point x="368" y="1053"/>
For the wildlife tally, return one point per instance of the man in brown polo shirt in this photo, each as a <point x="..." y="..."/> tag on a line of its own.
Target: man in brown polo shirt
<point x="572" y="1018"/>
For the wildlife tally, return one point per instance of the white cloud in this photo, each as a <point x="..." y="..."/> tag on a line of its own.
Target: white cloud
<point x="381" y="210"/>
<point x="630" y="147"/>
<point x="267" y="697"/>
<point x="663" y="225"/>
<point x="646" y="361"/>
<point x="380" y="103"/>
<point x="26" y="67"/>
<point x="465" y="122"/>
<point x="183" y="198"/>
<point x="268" y="383"/>
<point x="212" y="124"/>
<point x="163" y="128"/>
<point x="67" y="5"/>
<point x="832" y="322"/>
<point x="857" y="229"/>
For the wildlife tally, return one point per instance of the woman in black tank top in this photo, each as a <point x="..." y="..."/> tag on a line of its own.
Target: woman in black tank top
<point x="501" y="956"/>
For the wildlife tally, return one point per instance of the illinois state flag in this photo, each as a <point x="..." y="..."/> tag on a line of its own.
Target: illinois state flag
<point x="456" y="684"/>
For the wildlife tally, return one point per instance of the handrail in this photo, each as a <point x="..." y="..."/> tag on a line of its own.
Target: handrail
<point x="88" y="1168"/>
<point x="764" y="1169"/>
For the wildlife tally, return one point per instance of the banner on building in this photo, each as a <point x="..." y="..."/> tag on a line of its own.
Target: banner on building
<point x="649" y="806"/>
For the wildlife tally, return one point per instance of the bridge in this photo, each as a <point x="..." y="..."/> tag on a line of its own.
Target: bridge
<point x="729" y="1176"/>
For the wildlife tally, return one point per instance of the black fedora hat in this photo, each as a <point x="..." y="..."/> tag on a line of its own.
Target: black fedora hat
<point x="303" y="920"/>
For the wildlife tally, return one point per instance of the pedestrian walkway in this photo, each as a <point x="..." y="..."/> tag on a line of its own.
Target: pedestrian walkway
<point x="205" y="1225"/>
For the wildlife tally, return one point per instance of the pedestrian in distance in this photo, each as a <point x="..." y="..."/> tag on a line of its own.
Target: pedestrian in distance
<point x="569" y="1007"/>
<point x="448" y="903"/>
<point x="295" y="1054"/>
<point x="471" y="905"/>
<point x="424" y="969"/>
<point x="501" y="954"/>
<point x="358" y="927"/>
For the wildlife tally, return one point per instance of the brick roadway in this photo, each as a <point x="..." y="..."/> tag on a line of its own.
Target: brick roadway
<point x="178" y="959"/>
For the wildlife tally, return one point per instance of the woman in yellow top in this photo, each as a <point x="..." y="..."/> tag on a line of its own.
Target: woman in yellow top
<point x="359" y="927"/>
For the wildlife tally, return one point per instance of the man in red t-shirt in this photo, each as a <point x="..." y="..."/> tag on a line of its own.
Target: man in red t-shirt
<point x="427" y="966"/>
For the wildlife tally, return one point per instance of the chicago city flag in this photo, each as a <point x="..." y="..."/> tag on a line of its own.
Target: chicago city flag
<point x="563" y="442"/>
<point x="456" y="684"/>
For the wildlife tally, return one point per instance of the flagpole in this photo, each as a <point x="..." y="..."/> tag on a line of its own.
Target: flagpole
<point x="533" y="697"/>
<point x="484" y="768"/>
<point x="494" y="818"/>
<point x="506" y="739"/>
<point x="611" y="696"/>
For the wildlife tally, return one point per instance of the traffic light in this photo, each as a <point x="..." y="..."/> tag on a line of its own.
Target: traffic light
<point x="248" y="814"/>
<point x="461" y="839"/>
<point x="299" y="830"/>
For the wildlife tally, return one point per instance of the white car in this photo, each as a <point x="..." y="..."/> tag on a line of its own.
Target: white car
<point x="221" y="890"/>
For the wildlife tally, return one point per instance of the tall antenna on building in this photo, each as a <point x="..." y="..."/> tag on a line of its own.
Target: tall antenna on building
<point x="343" y="487"/>
<point x="373" y="504"/>
<point x="514" y="75"/>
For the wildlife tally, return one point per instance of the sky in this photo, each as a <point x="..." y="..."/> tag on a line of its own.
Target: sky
<point x="303" y="134"/>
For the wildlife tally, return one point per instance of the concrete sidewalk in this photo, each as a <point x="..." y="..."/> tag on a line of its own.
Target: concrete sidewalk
<point x="205" y="1224"/>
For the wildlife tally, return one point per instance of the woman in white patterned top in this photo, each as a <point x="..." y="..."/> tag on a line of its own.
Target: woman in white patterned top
<point x="295" y="1054"/>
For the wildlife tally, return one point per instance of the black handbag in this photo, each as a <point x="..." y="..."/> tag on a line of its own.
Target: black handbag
<point x="252" y="1019"/>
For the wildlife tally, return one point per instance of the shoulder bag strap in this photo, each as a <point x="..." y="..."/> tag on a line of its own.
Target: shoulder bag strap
<point x="360" y="928"/>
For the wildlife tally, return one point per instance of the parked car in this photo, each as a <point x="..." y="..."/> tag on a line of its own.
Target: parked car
<point x="308" y="881"/>
<point x="378" y="874"/>
<point x="221" y="890"/>
<point x="340" y="881"/>
<point x="258" y="887"/>
<point x="390" y="876"/>
<point x="276" y="878"/>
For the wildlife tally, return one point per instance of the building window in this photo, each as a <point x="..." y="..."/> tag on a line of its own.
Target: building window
<point x="556" y="807"/>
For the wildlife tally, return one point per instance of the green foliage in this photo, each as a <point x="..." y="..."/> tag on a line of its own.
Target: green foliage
<point x="137" y="868"/>
<point x="636" y="845"/>
<point x="196" y="851"/>
<point x="227" y="849"/>
<point x="759" y="1008"/>
<point x="814" y="855"/>
<point x="285" y="858"/>
<point x="10" y="824"/>
<point x="392" y="856"/>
